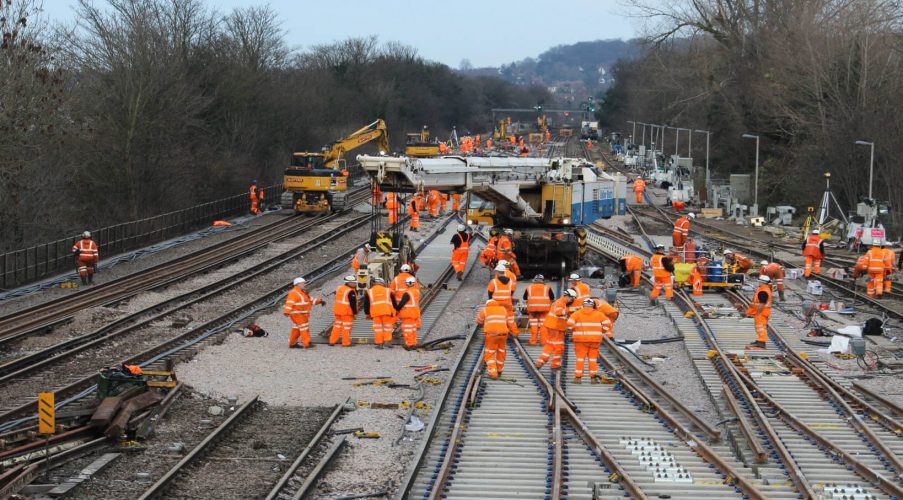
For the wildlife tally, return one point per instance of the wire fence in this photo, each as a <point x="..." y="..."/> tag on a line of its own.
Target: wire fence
<point x="25" y="265"/>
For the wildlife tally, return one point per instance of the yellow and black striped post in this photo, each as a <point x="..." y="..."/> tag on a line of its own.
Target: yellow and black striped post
<point x="46" y="413"/>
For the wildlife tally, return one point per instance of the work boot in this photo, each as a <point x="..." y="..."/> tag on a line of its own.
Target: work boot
<point x="309" y="346"/>
<point x="84" y="280"/>
<point x="90" y="279"/>
<point x="295" y="346"/>
<point x="595" y="379"/>
<point x="389" y="345"/>
<point x="538" y="364"/>
<point x="379" y="346"/>
<point x="578" y="380"/>
<point x="756" y="345"/>
<point x="781" y="295"/>
<point x="460" y="275"/>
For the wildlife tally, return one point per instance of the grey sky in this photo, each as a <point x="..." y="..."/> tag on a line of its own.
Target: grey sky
<point x="488" y="32"/>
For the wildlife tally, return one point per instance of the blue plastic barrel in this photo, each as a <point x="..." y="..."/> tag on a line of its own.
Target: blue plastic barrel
<point x="716" y="271"/>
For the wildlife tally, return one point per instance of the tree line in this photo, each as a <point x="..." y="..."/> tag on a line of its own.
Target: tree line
<point x="810" y="77"/>
<point x="139" y="107"/>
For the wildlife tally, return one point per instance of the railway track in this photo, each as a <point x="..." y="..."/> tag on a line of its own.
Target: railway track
<point x="798" y="427"/>
<point x="36" y="318"/>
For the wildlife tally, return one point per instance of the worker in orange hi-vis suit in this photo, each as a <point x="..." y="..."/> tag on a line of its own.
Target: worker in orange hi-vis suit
<point x="610" y="311"/>
<point x="639" y="185"/>
<point x="508" y="272"/>
<point x="252" y="194"/>
<point x="501" y="289"/>
<point x="587" y="326"/>
<point x="488" y="143"/>
<point x="392" y="207"/>
<point x="461" y="247"/>
<point x="740" y="263"/>
<point x="297" y="307"/>
<point x="408" y="311"/>
<point x="775" y="272"/>
<point x="478" y="142"/>
<point x="512" y="140"/>
<point x="443" y="148"/>
<point x="505" y="250"/>
<point x="443" y="203"/>
<point x="379" y="305"/>
<point x="361" y="258"/>
<point x="414" y="213"/>
<point x="814" y="251"/>
<point x="861" y="267"/>
<point x="889" y="257"/>
<point x="552" y="331"/>
<point x="681" y="231"/>
<point x="760" y="310"/>
<point x="576" y="283"/>
<point x="86" y="257"/>
<point x="661" y="274"/>
<point x="497" y="323"/>
<point x="589" y="144"/>
<point x="632" y="267"/>
<point x="695" y="280"/>
<point x="432" y="200"/>
<point x="490" y="251"/>
<point x="344" y="309"/>
<point x="456" y="202"/>
<point x="538" y="297"/>
<point x="876" y="269"/>
<point x="399" y="283"/>
<point x="548" y="136"/>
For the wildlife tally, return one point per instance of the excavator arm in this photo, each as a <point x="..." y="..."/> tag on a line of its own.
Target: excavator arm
<point x="376" y="131"/>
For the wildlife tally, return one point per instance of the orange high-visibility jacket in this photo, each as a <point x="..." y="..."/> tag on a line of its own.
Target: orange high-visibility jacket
<point x="773" y="270"/>
<point x="607" y="309"/>
<point x="875" y="257"/>
<point x="639" y="185"/>
<point x="583" y="292"/>
<point x="299" y="302"/>
<point x="761" y="303"/>
<point x="658" y="267"/>
<point x="409" y="305"/>
<point x="495" y="320"/>
<point x="557" y="319"/>
<point x="812" y="247"/>
<point x="503" y="246"/>
<point x="252" y="192"/>
<point x="345" y="301"/>
<point x="539" y="298"/>
<point x="632" y="263"/>
<point x="380" y="301"/>
<point x="499" y="291"/>
<point x="86" y="248"/>
<point x="398" y="286"/>
<point x="889" y="257"/>
<point x="862" y="266"/>
<point x="392" y="201"/>
<point x="682" y="226"/>
<point x="588" y="325"/>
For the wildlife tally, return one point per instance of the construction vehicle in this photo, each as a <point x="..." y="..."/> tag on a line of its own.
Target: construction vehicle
<point x="419" y="145"/>
<point x="480" y="211"/>
<point x="544" y="200"/>
<point x="315" y="183"/>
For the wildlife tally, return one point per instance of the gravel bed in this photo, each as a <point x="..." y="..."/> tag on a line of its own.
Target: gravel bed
<point x="114" y="350"/>
<point x="274" y="435"/>
<point x="126" y="268"/>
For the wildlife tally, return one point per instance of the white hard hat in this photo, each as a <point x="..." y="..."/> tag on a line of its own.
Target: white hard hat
<point x="86" y="234"/>
<point x="659" y="247"/>
<point x="503" y="262"/>
<point x="764" y="263"/>
<point x="728" y="252"/>
<point x="570" y="292"/>
<point x="500" y="268"/>
<point x="405" y="268"/>
<point x="509" y="231"/>
<point x="816" y="231"/>
<point x="299" y="281"/>
<point x="691" y="215"/>
<point x="539" y="277"/>
<point x="366" y="246"/>
<point x="461" y="227"/>
<point x="764" y="279"/>
<point x="378" y="280"/>
<point x="574" y="276"/>
<point x="876" y="242"/>
<point x="589" y="302"/>
<point x="350" y="278"/>
<point x="410" y="281"/>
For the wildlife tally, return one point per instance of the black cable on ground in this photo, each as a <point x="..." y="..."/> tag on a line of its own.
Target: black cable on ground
<point x="641" y="360"/>
<point x="665" y="340"/>
<point x="440" y="340"/>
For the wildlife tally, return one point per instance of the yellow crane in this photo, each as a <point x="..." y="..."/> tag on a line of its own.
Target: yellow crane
<point x="315" y="183"/>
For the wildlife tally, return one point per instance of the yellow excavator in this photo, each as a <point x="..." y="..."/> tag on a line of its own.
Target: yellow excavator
<point x="419" y="144"/>
<point x="315" y="183"/>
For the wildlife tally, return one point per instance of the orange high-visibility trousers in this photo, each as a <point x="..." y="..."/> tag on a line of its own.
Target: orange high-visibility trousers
<point x="662" y="282"/>
<point x="382" y="329"/>
<point x="393" y="216"/>
<point x="678" y="240"/>
<point x="635" y="279"/>
<point x="409" y="331"/>
<point x="875" y="284"/>
<point x="812" y="264"/>
<point x="639" y="196"/>
<point x="887" y="282"/>
<point x="415" y="220"/>
<point x="586" y="351"/>
<point x="552" y="348"/>
<point x="535" y="321"/>
<point x="495" y="353"/>
<point x="459" y="259"/>
<point x="341" y="328"/>
<point x="761" y="323"/>
<point x="86" y="266"/>
<point x="300" y="330"/>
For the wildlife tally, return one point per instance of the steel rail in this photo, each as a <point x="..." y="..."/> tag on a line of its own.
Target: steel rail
<point x="894" y="408"/>
<point x="159" y="488"/>
<point x="320" y="468"/>
<point x="312" y="445"/>
<point x="20" y="367"/>
<point x="745" y="427"/>
<point x="30" y="319"/>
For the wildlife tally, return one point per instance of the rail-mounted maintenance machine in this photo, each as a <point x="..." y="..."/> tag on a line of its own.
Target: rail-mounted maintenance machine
<point x="316" y="183"/>
<point x="545" y="200"/>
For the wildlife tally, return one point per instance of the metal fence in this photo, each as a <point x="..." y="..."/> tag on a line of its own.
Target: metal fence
<point x="29" y="264"/>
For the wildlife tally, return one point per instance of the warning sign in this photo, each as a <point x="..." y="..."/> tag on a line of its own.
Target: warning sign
<point x="46" y="413"/>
